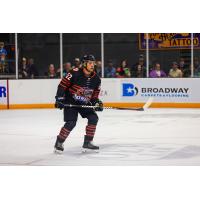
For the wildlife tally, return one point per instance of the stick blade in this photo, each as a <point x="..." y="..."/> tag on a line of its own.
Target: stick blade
<point x="140" y="109"/>
<point x="148" y="103"/>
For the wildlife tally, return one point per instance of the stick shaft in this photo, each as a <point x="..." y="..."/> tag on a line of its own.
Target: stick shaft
<point x="146" y="105"/>
<point x="93" y="107"/>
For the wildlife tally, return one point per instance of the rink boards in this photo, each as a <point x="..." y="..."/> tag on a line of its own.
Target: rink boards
<point x="40" y="93"/>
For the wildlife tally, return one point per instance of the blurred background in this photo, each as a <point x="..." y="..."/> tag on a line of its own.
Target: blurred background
<point x="118" y="55"/>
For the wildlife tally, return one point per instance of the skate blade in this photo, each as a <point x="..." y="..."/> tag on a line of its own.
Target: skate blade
<point x="56" y="151"/>
<point x="84" y="150"/>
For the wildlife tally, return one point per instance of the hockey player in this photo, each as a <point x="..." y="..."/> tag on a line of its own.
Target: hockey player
<point x="81" y="86"/>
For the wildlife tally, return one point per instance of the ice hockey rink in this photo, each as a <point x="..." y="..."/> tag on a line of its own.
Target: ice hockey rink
<point x="151" y="137"/>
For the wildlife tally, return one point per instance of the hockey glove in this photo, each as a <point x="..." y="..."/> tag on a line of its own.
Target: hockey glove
<point x="99" y="105"/>
<point x="60" y="102"/>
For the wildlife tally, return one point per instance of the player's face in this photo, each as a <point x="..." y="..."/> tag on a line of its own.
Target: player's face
<point x="90" y="66"/>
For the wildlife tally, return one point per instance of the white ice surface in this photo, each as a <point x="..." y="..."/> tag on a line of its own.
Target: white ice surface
<point x="152" y="137"/>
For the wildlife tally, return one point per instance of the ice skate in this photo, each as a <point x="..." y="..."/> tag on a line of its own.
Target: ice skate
<point x="88" y="146"/>
<point x="59" y="147"/>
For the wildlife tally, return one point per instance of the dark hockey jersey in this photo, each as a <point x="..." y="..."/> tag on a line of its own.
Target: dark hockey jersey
<point x="78" y="88"/>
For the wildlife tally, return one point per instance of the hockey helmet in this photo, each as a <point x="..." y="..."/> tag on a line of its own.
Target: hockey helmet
<point x="88" y="58"/>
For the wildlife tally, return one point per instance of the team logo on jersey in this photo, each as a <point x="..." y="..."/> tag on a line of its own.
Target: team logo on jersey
<point x="129" y="90"/>
<point x="83" y="95"/>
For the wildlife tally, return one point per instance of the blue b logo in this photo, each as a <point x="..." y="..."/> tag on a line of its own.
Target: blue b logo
<point x="129" y="90"/>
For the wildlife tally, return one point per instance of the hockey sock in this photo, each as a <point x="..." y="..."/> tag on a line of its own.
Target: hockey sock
<point x="90" y="131"/>
<point x="63" y="134"/>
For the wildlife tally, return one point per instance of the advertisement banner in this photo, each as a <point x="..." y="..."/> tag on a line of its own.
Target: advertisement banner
<point x="160" y="41"/>
<point x="3" y="93"/>
<point x="162" y="90"/>
<point x="113" y="90"/>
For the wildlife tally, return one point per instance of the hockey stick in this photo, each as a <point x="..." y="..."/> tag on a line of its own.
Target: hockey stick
<point x="146" y="105"/>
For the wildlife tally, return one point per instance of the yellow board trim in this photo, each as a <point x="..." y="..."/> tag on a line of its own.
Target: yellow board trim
<point x="30" y="106"/>
<point x="156" y="105"/>
<point x="2" y="107"/>
<point x="112" y="104"/>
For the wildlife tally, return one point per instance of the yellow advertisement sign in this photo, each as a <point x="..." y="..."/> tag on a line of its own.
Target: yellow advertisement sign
<point x="169" y="40"/>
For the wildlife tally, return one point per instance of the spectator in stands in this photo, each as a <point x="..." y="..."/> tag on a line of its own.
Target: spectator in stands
<point x="139" y="72"/>
<point x="185" y="68"/>
<point x="110" y="71"/>
<point x="175" y="72"/>
<point x="3" y="54"/>
<point x="196" y="67"/>
<point x="32" y="70"/>
<point x="98" y="68"/>
<point x="66" y="68"/>
<point x="182" y="64"/>
<point x="51" y="71"/>
<point x="77" y="63"/>
<point x="196" y="62"/>
<point x="24" y="71"/>
<point x="123" y="71"/>
<point x="157" y="72"/>
<point x="136" y="66"/>
<point x="187" y="71"/>
<point x="141" y="61"/>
